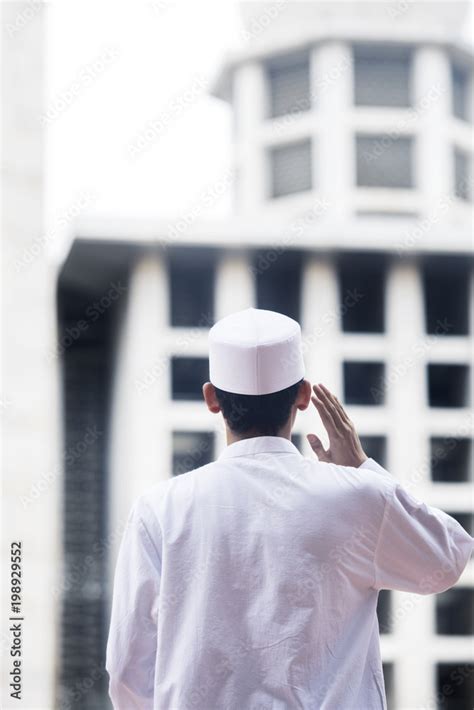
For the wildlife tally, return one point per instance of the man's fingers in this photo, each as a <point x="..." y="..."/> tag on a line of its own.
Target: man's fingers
<point x="336" y="404"/>
<point x="317" y="447"/>
<point x="326" y="397"/>
<point x="324" y="413"/>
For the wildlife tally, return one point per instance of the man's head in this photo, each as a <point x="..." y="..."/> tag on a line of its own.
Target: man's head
<point x="259" y="415"/>
<point x="257" y="373"/>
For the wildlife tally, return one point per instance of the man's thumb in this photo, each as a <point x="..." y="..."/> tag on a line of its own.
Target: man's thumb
<point x="317" y="447"/>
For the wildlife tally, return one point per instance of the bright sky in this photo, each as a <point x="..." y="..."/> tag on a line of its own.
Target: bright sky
<point x="132" y="130"/>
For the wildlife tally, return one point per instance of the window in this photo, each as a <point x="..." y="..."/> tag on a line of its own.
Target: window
<point x="384" y="161"/>
<point x="278" y="281"/>
<point x="364" y="383"/>
<point x="455" y="612"/>
<point x="396" y="214"/>
<point x="446" y="291"/>
<point x="362" y="293"/>
<point x="466" y="520"/>
<point x="462" y="175"/>
<point x="451" y="459"/>
<point x="191" y="278"/>
<point x="460" y="91"/>
<point x="191" y="449"/>
<point x="289" y="85"/>
<point x="83" y="625"/>
<point x="384" y="611"/>
<point x="375" y="447"/>
<point x="389" y="681"/>
<point x="188" y="374"/>
<point x="448" y="385"/>
<point x="455" y="685"/>
<point x="296" y="440"/>
<point x="382" y="77"/>
<point x="86" y="389"/>
<point x="291" y="167"/>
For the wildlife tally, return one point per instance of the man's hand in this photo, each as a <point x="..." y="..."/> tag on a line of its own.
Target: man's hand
<point x="345" y="448"/>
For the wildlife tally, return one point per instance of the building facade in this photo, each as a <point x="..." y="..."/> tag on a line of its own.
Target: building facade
<point x="29" y="402"/>
<point x="353" y="193"/>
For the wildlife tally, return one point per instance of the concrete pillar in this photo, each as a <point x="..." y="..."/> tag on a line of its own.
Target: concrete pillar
<point x="235" y="284"/>
<point x="406" y="370"/>
<point x="140" y="445"/>
<point x="234" y="291"/>
<point x="249" y="95"/>
<point x="405" y="395"/>
<point x="29" y="398"/>
<point x="432" y="105"/>
<point x="321" y="324"/>
<point x="331" y="88"/>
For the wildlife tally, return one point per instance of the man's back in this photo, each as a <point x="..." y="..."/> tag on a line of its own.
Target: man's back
<point x="252" y="582"/>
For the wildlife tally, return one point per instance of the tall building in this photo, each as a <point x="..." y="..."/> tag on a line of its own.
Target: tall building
<point x="353" y="194"/>
<point x="29" y="400"/>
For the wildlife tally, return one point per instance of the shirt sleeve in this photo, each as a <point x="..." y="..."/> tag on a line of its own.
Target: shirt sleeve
<point x="420" y="549"/>
<point x="131" y="646"/>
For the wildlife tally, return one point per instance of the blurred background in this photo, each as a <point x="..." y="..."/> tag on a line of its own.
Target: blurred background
<point x="166" y="163"/>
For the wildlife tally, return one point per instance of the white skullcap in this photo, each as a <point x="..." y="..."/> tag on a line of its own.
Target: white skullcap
<point x="255" y="352"/>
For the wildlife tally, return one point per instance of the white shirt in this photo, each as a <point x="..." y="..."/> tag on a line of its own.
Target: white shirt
<point x="251" y="583"/>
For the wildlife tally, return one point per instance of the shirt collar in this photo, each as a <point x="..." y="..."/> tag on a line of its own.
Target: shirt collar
<point x="259" y="445"/>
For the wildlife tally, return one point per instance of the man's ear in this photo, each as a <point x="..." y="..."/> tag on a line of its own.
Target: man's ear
<point x="304" y="395"/>
<point x="209" y="394"/>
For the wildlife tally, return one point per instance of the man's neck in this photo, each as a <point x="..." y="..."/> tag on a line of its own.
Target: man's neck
<point x="232" y="437"/>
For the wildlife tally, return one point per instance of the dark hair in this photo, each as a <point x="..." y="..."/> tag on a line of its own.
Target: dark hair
<point x="261" y="414"/>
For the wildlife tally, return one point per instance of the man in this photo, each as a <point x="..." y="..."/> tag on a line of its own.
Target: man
<point x="251" y="583"/>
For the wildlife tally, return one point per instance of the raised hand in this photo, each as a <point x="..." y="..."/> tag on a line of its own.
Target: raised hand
<point x="345" y="448"/>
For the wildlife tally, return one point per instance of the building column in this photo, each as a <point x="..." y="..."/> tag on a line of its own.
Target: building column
<point x="234" y="291"/>
<point x="406" y="376"/>
<point x="30" y="402"/>
<point x="140" y="446"/>
<point x="333" y="158"/>
<point x="408" y="456"/>
<point x="249" y="111"/>
<point x="235" y="284"/>
<point x="432" y="105"/>
<point x="320" y="323"/>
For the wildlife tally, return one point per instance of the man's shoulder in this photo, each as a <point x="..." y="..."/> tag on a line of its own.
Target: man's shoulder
<point x="369" y="478"/>
<point x="175" y="486"/>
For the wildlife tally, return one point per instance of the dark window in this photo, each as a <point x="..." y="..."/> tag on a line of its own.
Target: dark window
<point x="384" y="161"/>
<point x="364" y="383"/>
<point x="465" y="520"/>
<point x="83" y="627"/>
<point x="278" y="281"/>
<point x="375" y="447"/>
<point x="288" y="81"/>
<point x="460" y="85"/>
<point x="451" y="459"/>
<point x="362" y="293"/>
<point x="86" y="386"/>
<point x="191" y="278"/>
<point x="296" y="440"/>
<point x="290" y="167"/>
<point x="446" y="289"/>
<point x="381" y="77"/>
<point x="455" y="686"/>
<point x="188" y="374"/>
<point x="389" y="214"/>
<point x="384" y="611"/>
<point x="191" y="449"/>
<point x="455" y="612"/>
<point x="462" y="175"/>
<point x="389" y="680"/>
<point x="448" y="385"/>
